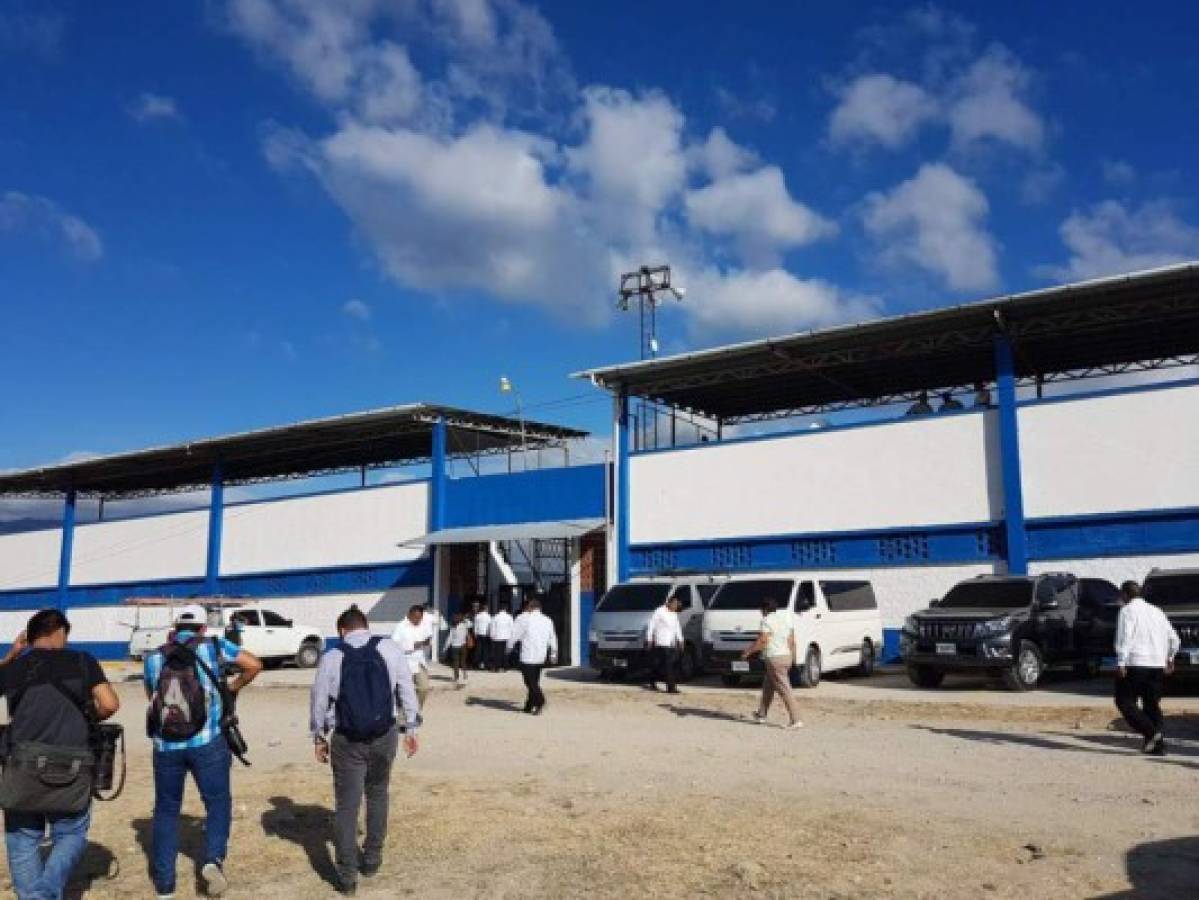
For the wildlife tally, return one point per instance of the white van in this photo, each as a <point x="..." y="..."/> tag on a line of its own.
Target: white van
<point x="837" y="623"/>
<point x="617" y="636"/>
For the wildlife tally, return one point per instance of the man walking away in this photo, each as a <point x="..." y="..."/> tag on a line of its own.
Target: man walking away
<point x="501" y="633"/>
<point x="664" y="641"/>
<point x="1146" y="643"/>
<point x="776" y="643"/>
<point x="534" y="631"/>
<point x="51" y="693"/>
<point x="482" y="655"/>
<point x="457" y="647"/>
<point x="186" y="712"/>
<point x="355" y="695"/>
<point x="414" y="635"/>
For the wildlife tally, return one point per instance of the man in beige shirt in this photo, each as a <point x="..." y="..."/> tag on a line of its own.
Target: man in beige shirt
<point x="776" y="643"/>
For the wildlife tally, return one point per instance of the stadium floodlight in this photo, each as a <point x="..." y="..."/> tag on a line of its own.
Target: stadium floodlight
<point x="507" y="387"/>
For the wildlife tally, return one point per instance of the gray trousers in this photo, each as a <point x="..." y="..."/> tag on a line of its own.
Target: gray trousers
<point x="360" y="768"/>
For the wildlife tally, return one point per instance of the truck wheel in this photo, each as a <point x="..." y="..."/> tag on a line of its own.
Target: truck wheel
<point x="809" y="672"/>
<point x="866" y="666"/>
<point x="925" y="676"/>
<point x="1026" y="670"/>
<point x="308" y="656"/>
<point x="730" y="680"/>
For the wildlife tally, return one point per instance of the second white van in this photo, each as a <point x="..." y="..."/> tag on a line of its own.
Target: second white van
<point x="837" y="624"/>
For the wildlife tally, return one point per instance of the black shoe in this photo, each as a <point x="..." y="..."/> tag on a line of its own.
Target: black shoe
<point x="347" y="890"/>
<point x="369" y="871"/>
<point x="538" y="710"/>
<point x="1153" y="743"/>
<point x="1159" y="750"/>
<point x="672" y="690"/>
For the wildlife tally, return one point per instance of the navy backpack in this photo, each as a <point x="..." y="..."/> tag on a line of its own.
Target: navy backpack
<point x="365" y="705"/>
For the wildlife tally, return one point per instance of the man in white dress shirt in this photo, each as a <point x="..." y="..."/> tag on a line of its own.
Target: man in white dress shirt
<point x="501" y="633"/>
<point x="664" y="643"/>
<point x="481" y="657"/>
<point x="1146" y="643"/>
<point x="414" y="634"/>
<point x="534" y="631"/>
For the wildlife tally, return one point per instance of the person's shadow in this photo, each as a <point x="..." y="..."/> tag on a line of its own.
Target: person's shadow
<point x="98" y="864"/>
<point x="308" y="826"/>
<point x="191" y="841"/>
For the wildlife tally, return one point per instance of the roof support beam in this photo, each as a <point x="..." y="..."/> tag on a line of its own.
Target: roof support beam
<point x="66" y="548"/>
<point x="1009" y="458"/>
<point x="216" y="524"/>
<point x="622" y="487"/>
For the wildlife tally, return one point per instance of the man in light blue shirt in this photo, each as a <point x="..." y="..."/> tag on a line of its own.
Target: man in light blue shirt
<point x="205" y="754"/>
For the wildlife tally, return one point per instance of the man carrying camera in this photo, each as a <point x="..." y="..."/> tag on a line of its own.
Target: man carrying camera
<point x="187" y="721"/>
<point x="54" y="697"/>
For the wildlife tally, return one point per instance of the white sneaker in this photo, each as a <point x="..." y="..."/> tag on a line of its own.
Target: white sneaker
<point x="759" y="717"/>
<point x="794" y="726"/>
<point x="215" y="882"/>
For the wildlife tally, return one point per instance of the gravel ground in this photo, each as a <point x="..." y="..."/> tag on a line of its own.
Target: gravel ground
<point x="617" y="791"/>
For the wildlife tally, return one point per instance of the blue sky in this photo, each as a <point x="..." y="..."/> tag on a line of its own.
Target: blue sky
<point x="224" y="215"/>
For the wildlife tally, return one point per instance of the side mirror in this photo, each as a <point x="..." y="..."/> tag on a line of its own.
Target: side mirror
<point x="934" y="603"/>
<point x="289" y="623"/>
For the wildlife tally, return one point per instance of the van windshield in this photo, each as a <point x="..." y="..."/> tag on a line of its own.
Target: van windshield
<point x="986" y="594"/>
<point x="633" y="598"/>
<point x="1172" y="590"/>
<point x="750" y="594"/>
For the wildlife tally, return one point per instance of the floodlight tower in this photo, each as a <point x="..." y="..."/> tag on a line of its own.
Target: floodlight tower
<point x="648" y="285"/>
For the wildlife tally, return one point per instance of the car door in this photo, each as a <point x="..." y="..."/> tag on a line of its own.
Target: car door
<point x="278" y="632"/>
<point x="1098" y="610"/>
<point x="808" y="617"/>
<point x="1050" y="611"/>
<point x="253" y="636"/>
<point x="692" y="614"/>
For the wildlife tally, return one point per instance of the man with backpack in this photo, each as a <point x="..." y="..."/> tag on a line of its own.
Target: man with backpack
<point x="354" y="698"/>
<point x="53" y="695"/>
<point x="190" y="706"/>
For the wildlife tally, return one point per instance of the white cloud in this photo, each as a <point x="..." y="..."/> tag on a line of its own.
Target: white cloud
<point x="632" y="159"/>
<point x="987" y="104"/>
<point x="1118" y="172"/>
<point x="936" y="221"/>
<point x="719" y="155"/>
<point x="770" y="302"/>
<point x="151" y="107"/>
<point x="1040" y="184"/>
<point x="758" y="213"/>
<point x="30" y="214"/>
<point x="1110" y="239"/>
<point x="732" y="106"/>
<point x="883" y="109"/>
<point x="356" y="309"/>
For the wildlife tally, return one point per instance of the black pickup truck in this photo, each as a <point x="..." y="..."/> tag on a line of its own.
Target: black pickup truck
<point x="1176" y="593"/>
<point x="1014" y="627"/>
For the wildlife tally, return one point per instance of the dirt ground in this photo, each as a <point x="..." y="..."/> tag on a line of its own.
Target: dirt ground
<point x="617" y="791"/>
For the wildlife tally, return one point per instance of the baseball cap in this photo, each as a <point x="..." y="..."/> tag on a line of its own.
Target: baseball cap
<point x="192" y="614"/>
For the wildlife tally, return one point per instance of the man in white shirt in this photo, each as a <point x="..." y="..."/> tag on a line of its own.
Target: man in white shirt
<point x="482" y="654"/>
<point x="501" y="633"/>
<point x="664" y="643"/>
<point x="534" y="631"/>
<point x="414" y="634"/>
<point x="1146" y="644"/>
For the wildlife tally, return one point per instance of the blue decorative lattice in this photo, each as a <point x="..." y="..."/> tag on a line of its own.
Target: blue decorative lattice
<point x="659" y="559"/>
<point x="732" y="556"/>
<point x="902" y="549"/>
<point x="814" y="552"/>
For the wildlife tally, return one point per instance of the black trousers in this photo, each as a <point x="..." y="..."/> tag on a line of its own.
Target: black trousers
<point x="482" y="653"/>
<point x="664" y="663"/>
<point x="1143" y="686"/>
<point x="499" y="656"/>
<point x="532" y="677"/>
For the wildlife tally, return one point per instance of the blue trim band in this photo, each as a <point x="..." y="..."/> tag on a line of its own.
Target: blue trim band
<point x="66" y="548"/>
<point x="216" y="521"/>
<point x="539" y="495"/>
<point x="297" y="583"/>
<point x="623" y="493"/>
<point x="1009" y="461"/>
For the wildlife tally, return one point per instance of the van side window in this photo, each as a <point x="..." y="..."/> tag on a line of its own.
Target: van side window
<point x="849" y="596"/>
<point x="706" y="593"/>
<point x="1046" y="590"/>
<point x="807" y="596"/>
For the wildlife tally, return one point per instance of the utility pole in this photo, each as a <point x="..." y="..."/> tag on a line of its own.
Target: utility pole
<point x="647" y="285"/>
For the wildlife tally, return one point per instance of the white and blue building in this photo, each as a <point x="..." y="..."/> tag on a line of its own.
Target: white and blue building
<point x="1074" y="448"/>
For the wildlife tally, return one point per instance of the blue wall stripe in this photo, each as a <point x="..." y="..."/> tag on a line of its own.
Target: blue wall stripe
<point x="300" y="583"/>
<point x="1130" y="533"/>
<point x="541" y="495"/>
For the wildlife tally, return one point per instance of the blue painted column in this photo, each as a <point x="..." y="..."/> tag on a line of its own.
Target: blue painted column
<point x="65" y="548"/>
<point x="1009" y="458"/>
<point x="437" y="486"/>
<point x="622" y="487"/>
<point x="216" y="521"/>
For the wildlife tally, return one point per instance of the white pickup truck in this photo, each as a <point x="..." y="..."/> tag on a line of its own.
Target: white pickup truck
<point x="263" y="632"/>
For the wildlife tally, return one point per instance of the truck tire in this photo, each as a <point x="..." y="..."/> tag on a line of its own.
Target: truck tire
<point x="730" y="680"/>
<point x="866" y="666"/>
<point x="925" y="676"/>
<point x="309" y="655"/>
<point x="1026" y="671"/>
<point x="809" y="672"/>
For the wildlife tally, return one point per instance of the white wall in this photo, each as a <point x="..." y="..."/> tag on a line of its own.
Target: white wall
<point x="340" y="529"/>
<point x="29" y="559"/>
<point x="925" y="471"/>
<point x="145" y="549"/>
<point x="1111" y="454"/>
